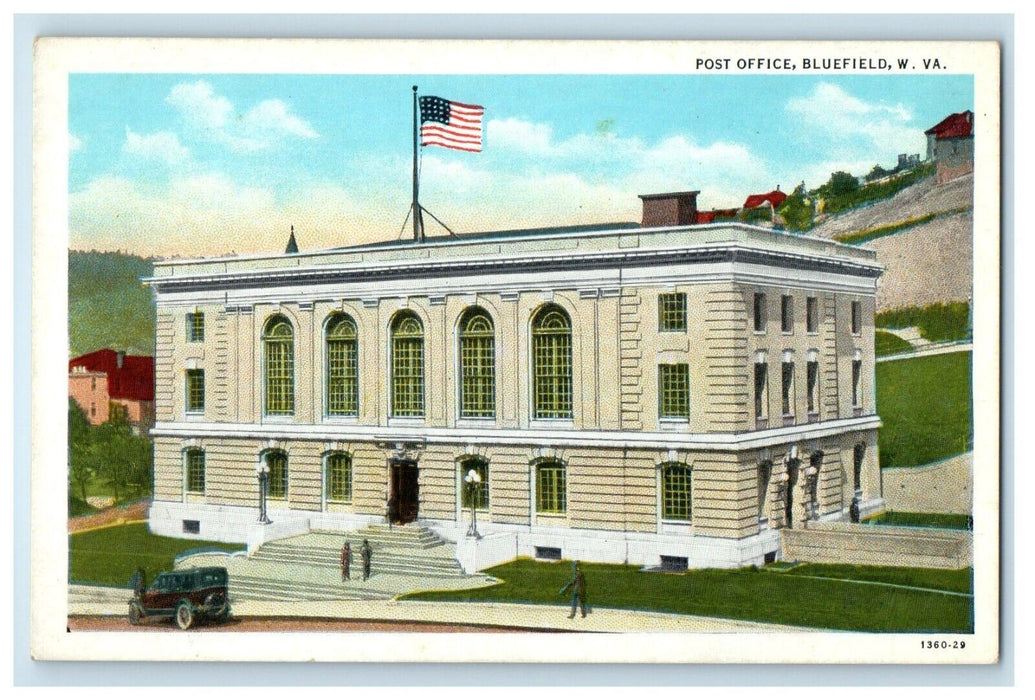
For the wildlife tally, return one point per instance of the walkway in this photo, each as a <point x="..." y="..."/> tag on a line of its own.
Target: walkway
<point x="92" y="600"/>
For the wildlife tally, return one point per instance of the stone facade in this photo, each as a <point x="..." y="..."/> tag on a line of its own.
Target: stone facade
<point x="748" y="476"/>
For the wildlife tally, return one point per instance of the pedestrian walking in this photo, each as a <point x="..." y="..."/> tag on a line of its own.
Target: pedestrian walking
<point x="346" y="560"/>
<point x="578" y="592"/>
<point x="366" y="553"/>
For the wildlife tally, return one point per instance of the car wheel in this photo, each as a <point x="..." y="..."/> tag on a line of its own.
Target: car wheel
<point x="184" y="615"/>
<point x="135" y="614"/>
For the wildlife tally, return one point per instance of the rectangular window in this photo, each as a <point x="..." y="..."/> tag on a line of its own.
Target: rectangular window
<point x="339" y="477"/>
<point x="856" y="383"/>
<point x="761" y="390"/>
<point x="760" y="316"/>
<point x="812" y="378"/>
<point x="195" y="390"/>
<point x="674" y="391"/>
<point x="550" y="489"/>
<point x="787" y="392"/>
<point x="672" y="312"/>
<point x="786" y="313"/>
<point x="856" y="318"/>
<point x="812" y="315"/>
<point x="195" y="471"/>
<point x="195" y="327"/>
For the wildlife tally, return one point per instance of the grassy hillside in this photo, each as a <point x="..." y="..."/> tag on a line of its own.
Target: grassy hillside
<point x="925" y="403"/>
<point x="108" y="307"/>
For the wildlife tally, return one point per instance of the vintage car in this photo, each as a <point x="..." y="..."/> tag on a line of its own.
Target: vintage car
<point x="187" y="596"/>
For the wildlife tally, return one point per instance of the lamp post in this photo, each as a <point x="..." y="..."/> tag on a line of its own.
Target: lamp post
<point x="472" y="480"/>
<point x="262" y="473"/>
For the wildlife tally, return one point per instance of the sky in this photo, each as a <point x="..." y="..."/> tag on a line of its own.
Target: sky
<point x="174" y="165"/>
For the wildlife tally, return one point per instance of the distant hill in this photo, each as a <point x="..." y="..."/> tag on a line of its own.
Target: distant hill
<point x="108" y="306"/>
<point x="929" y="251"/>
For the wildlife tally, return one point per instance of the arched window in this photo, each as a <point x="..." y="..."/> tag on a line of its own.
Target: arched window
<point x="479" y="492"/>
<point x="278" y="341"/>
<point x="551" y="363"/>
<point x="277" y="463"/>
<point x="675" y="492"/>
<point x="407" y="366"/>
<point x="194" y="464"/>
<point x="477" y="365"/>
<point x="338" y="467"/>
<point x="551" y="487"/>
<point x="342" y="375"/>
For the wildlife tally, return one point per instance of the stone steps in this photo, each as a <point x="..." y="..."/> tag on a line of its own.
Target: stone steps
<point x="258" y="588"/>
<point x="403" y="551"/>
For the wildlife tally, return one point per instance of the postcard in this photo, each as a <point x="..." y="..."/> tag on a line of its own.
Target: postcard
<point x="530" y="351"/>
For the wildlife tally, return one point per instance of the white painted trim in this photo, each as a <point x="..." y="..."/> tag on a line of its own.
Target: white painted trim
<point x="546" y="438"/>
<point x="502" y="282"/>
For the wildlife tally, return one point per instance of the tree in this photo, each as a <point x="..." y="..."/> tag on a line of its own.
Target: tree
<point x="80" y="471"/>
<point x="840" y="184"/>
<point x="797" y="210"/>
<point x="877" y="173"/>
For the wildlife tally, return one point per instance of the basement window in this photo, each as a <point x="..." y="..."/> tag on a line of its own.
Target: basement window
<point x="550" y="553"/>
<point x="192" y="527"/>
<point x="674" y="563"/>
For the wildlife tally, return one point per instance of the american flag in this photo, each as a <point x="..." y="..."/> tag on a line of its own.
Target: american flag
<point x="450" y="124"/>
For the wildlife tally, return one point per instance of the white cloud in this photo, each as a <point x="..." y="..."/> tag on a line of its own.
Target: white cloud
<point x="74" y="143"/>
<point x="216" y="119"/>
<point x="856" y="129"/>
<point x="163" y="146"/>
<point x="274" y="117"/>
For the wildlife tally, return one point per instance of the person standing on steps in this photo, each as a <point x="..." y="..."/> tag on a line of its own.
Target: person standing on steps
<point x="366" y="553"/>
<point x="346" y="560"/>
<point x="578" y="593"/>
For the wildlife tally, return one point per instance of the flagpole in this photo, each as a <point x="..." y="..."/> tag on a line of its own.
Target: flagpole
<point x="418" y="233"/>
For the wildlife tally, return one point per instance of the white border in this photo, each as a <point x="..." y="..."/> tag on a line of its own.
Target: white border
<point x="56" y="58"/>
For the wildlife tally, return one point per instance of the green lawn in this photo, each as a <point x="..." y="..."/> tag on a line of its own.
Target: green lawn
<point x="925" y="404"/>
<point x="889" y="344"/>
<point x="743" y="594"/>
<point x="952" y="521"/>
<point x="958" y="580"/>
<point x="111" y="555"/>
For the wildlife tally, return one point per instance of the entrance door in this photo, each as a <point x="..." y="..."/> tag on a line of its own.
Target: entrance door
<point x="402" y="501"/>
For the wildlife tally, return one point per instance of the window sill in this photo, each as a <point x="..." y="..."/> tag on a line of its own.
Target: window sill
<point x="406" y="422"/>
<point x="552" y="424"/>
<point x="475" y="422"/>
<point x="788" y="420"/>
<point x="811" y="332"/>
<point x="278" y="419"/>
<point x="813" y="417"/>
<point x="761" y="423"/>
<point x="345" y="420"/>
<point x="758" y="332"/>
<point x="673" y="424"/>
<point x="857" y="410"/>
<point x="194" y="416"/>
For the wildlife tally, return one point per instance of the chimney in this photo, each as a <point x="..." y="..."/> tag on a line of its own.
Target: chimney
<point x="120" y="357"/>
<point x="669" y="209"/>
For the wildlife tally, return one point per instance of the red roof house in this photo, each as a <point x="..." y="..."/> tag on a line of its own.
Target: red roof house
<point x="953" y="126"/>
<point x="130" y="382"/>
<point x="950" y="143"/>
<point x="775" y="198"/>
<point x="129" y="376"/>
